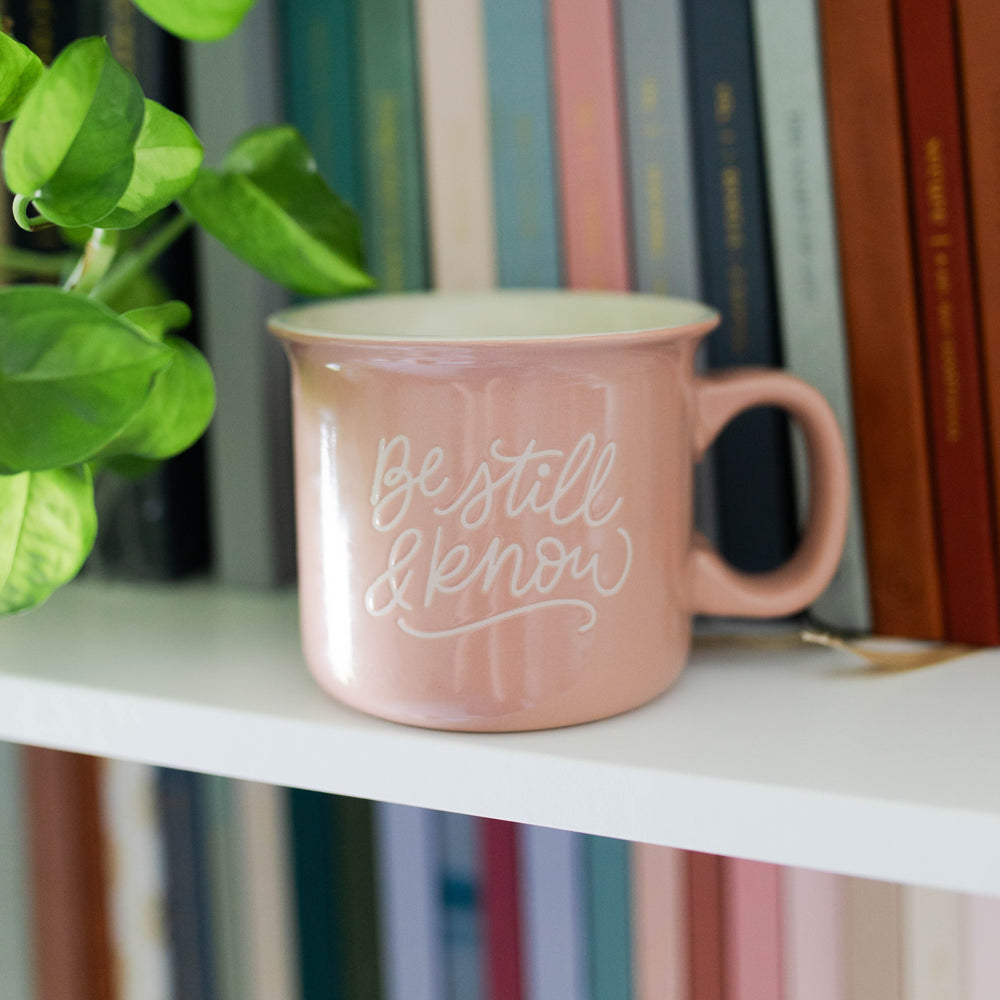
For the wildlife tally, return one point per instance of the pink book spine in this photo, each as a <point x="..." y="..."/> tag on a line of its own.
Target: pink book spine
<point x="813" y="935"/>
<point x="589" y="130"/>
<point x="982" y="955"/>
<point x="753" y="931"/>
<point x="503" y="910"/>
<point x="659" y="923"/>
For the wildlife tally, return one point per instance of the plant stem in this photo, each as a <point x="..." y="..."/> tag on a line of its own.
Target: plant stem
<point x="42" y="265"/>
<point x="133" y="263"/>
<point x="98" y="256"/>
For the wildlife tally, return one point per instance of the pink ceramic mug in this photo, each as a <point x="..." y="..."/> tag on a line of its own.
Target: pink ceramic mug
<point x="494" y="501"/>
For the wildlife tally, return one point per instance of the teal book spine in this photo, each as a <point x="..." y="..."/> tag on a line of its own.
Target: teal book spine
<point x="609" y="917"/>
<point x="462" y="899"/>
<point x="752" y="459"/>
<point x="393" y="209"/>
<point x="521" y="129"/>
<point x="16" y="945"/>
<point x="319" y="78"/>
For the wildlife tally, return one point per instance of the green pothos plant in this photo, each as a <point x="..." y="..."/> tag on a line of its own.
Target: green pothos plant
<point x="86" y="382"/>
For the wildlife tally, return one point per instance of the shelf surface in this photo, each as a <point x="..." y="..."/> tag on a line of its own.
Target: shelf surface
<point x="793" y="754"/>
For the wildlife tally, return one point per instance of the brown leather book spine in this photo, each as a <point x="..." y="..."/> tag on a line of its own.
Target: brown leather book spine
<point x="979" y="55"/>
<point x="866" y="139"/>
<point x="68" y="877"/>
<point x="951" y="338"/>
<point x="706" y="958"/>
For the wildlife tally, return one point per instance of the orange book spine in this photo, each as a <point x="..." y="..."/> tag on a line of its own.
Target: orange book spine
<point x="951" y="351"/>
<point x="865" y="122"/>
<point x="68" y="877"/>
<point x="979" y="34"/>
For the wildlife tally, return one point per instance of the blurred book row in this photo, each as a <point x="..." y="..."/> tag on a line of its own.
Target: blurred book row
<point x="120" y="881"/>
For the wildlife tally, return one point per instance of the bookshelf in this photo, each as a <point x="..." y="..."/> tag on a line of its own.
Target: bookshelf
<point x="792" y="754"/>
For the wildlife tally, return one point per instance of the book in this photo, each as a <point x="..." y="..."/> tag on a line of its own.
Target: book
<point x="502" y="909"/>
<point x="753" y="930"/>
<point x="880" y="310"/>
<point x="318" y="74"/>
<point x="609" y="923"/>
<point x="981" y="961"/>
<point x="457" y="158"/>
<point x="522" y="143"/>
<point x="979" y="42"/>
<point x="462" y="900"/>
<point x="932" y="944"/>
<point x="179" y="807"/>
<point x="813" y="929"/>
<point x="251" y="506"/>
<point x="393" y="211"/>
<point x="659" y="923"/>
<point x="16" y="945"/>
<point x="751" y="459"/>
<point x="68" y="876"/>
<point x="705" y="895"/>
<point x="137" y="873"/>
<point x="591" y="170"/>
<point x="410" y="913"/>
<point x="873" y="939"/>
<point x="810" y="306"/>
<point x="554" y="945"/>
<point x="953" y="373"/>
<point x="265" y="866"/>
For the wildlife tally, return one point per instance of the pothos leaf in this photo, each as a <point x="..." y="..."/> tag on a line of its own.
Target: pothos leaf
<point x="47" y="529"/>
<point x="271" y="208"/>
<point x="72" y="375"/>
<point x="197" y="20"/>
<point x="20" y="69"/>
<point x="70" y="148"/>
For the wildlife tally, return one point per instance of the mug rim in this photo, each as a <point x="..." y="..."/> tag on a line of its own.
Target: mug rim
<point x="527" y="316"/>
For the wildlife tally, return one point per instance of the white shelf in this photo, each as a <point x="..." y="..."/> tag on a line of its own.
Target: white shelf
<point x="795" y="755"/>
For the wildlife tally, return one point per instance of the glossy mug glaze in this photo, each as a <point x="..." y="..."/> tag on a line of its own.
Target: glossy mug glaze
<point x="494" y="501"/>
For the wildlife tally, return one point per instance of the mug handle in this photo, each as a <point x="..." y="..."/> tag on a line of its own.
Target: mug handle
<point x="716" y="587"/>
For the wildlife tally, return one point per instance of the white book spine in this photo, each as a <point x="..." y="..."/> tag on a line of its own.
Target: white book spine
<point x="813" y="930"/>
<point x="933" y="954"/>
<point x="554" y="945"/>
<point x="137" y="890"/>
<point x="789" y="68"/>
<point x="982" y="956"/>
<point x="412" y="932"/>
<point x="457" y="154"/>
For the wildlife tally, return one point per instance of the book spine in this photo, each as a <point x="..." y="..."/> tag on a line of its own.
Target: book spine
<point x="659" y="923"/>
<point x="590" y="150"/>
<point x="522" y="143"/>
<point x="136" y="882"/>
<point x="979" y="36"/>
<point x="462" y="897"/>
<point x="981" y="959"/>
<point x="318" y="77"/>
<point x="270" y="918"/>
<point x="705" y="926"/>
<point x="952" y="369"/>
<point x="393" y="216"/>
<point x="814" y="342"/>
<point x="353" y="849"/>
<point x="555" y="941"/>
<point x="876" y="260"/>
<point x="249" y="442"/>
<point x="16" y="944"/>
<point x="660" y="156"/>
<point x="609" y="917"/>
<point x="933" y="966"/>
<point x="179" y="808"/>
<point x="752" y="461"/>
<point x="813" y="945"/>
<point x="68" y="877"/>
<point x="873" y="940"/>
<point x="502" y="909"/>
<point x="457" y="156"/>
<point x="318" y="933"/>
<point x="753" y="930"/>
<point x="412" y="931"/>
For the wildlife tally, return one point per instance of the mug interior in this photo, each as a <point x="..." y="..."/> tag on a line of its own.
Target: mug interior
<point x="475" y="317"/>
